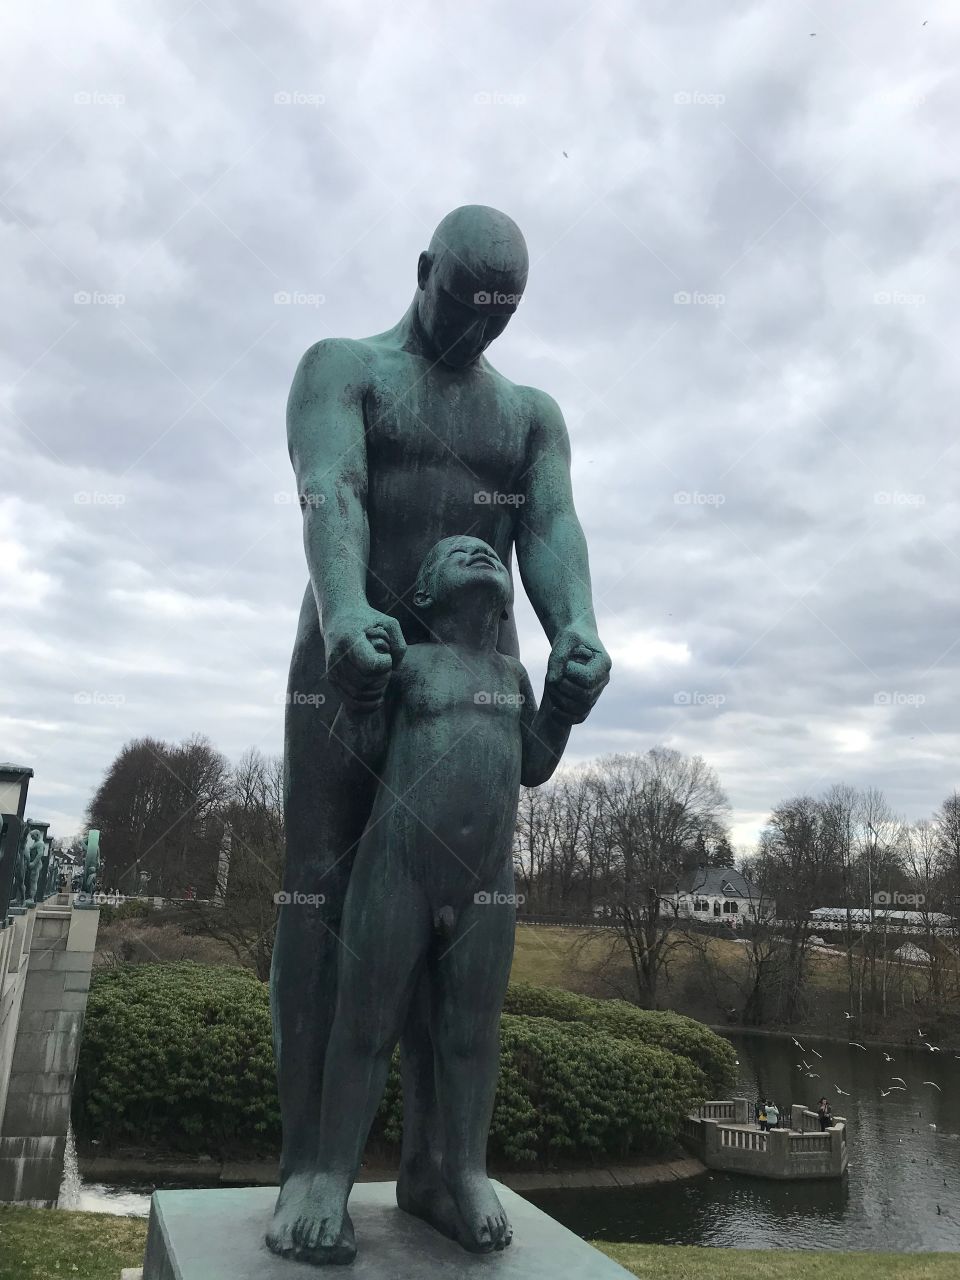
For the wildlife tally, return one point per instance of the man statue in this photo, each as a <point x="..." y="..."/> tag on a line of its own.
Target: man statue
<point x="91" y="862"/>
<point x="399" y="441"/>
<point x="35" y="849"/>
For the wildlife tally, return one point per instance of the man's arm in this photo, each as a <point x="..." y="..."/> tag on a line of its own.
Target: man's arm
<point x="325" y="434"/>
<point x="553" y="563"/>
<point x="544" y="731"/>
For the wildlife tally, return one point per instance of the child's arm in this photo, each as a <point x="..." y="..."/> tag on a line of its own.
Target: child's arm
<point x="545" y="731"/>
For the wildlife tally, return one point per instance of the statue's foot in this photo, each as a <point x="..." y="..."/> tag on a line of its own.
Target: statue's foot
<point x="483" y="1224"/>
<point x="422" y="1192"/>
<point x="311" y="1223"/>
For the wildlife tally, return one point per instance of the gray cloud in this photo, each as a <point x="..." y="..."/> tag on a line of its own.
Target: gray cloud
<point x="764" y="471"/>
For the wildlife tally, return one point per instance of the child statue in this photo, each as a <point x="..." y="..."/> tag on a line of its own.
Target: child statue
<point x="432" y="892"/>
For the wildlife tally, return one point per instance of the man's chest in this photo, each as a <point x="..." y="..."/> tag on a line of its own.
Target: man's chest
<point x="436" y="417"/>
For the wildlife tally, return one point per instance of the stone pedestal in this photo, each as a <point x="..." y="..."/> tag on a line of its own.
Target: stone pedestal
<point x="218" y="1235"/>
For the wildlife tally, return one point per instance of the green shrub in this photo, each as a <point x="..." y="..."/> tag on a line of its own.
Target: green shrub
<point x="179" y="1057"/>
<point x="713" y="1055"/>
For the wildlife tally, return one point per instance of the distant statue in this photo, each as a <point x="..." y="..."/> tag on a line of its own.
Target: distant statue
<point x="91" y="862"/>
<point x="21" y="873"/>
<point x="34" y="850"/>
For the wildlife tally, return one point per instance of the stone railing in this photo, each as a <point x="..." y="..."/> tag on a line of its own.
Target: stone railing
<point x="724" y="1137"/>
<point x="46" y="956"/>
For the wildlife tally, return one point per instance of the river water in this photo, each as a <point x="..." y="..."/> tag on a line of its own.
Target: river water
<point x="900" y="1194"/>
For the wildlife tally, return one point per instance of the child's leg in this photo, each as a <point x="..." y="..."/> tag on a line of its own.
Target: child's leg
<point x="386" y="929"/>
<point x="470" y="976"/>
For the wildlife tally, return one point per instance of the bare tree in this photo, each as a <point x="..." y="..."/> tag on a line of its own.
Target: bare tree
<point x="651" y="810"/>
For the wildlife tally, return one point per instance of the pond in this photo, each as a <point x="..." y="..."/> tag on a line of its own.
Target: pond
<point x="901" y="1192"/>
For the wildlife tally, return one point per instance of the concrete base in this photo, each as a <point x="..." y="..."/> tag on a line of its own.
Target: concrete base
<point x="218" y="1235"/>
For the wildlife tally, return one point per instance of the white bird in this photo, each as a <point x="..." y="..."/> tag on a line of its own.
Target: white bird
<point x="857" y="1046"/>
<point x="935" y="1085"/>
<point x="887" y="1058"/>
<point x="885" y="1093"/>
<point x="798" y="1044"/>
<point x="900" y="1080"/>
<point x="841" y="1092"/>
<point x="933" y="1126"/>
<point x="815" y="1054"/>
<point x="807" y="1064"/>
<point x="812" y="1075"/>
<point x="934" y="1048"/>
<point x="897" y="1088"/>
<point x="848" y="1016"/>
<point x="920" y="1034"/>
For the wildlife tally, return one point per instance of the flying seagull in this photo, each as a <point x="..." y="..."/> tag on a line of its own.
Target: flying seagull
<point x="798" y="1044"/>
<point x="887" y="1058"/>
<point x="848" y="1016"/>
<point x="841" y="1091"/>
<point x="935" y="1085"/>
<point x="885" y="1093"/>
<point x="565" y="156"/>
<point x="812" y="1075"/>
<point x="857" y="1046"/>
<point x="934" y="1048"/>
<point x="817" y="1055"/>
<point x="900" y="1079"/>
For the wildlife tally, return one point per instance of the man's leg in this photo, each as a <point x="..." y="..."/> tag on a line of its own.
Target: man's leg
<point x="470" y="975"/>
<point x="328" y="795"/>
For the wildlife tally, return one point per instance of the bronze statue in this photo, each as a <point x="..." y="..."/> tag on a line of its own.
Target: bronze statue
<point x="399" y="442"/>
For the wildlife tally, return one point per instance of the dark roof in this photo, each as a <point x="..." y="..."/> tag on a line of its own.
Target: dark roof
<point x="719" y="882"/>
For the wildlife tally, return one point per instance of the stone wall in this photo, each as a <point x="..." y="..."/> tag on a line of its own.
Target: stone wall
<point x="45" y="981"/>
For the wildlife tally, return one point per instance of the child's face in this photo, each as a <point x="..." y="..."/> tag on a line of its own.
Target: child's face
<point x="459" y="564"/>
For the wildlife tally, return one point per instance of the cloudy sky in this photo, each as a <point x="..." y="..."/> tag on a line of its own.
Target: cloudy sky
<point x="743" y="294"/>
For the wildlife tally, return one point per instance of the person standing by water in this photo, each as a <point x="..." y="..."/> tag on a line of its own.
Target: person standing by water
<point x="773" y="1115"/>
<point x="825" y="1114"/>
<point x="762" y="1117"/>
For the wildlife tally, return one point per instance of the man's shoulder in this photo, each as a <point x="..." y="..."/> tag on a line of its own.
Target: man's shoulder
<point x="331" y="355"/>
<point x="535" y="404"/>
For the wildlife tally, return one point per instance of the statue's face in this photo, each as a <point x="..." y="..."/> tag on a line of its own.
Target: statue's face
<point x="462" y="564"/>
<point x="461" y="310"/>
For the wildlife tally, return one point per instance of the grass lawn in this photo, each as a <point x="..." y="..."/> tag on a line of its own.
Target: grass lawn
<point x="683" y="1262"/>
<point x="49" y="1244"/>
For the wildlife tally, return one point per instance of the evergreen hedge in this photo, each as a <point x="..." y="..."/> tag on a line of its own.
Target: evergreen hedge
<point x="178" y="1057"/>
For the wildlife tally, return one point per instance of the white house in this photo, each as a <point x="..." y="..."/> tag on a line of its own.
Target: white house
<point x="719" y="894"/>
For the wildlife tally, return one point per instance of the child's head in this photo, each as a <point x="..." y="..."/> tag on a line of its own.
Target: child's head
<point x="459" y="566"/>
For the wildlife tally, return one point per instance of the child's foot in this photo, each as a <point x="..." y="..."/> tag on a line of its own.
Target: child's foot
<point x="311" y="1223"/>
<point x="483" y="1224"/>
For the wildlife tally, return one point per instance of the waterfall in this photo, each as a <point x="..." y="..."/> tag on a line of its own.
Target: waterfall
<point x="70" y="1185"/>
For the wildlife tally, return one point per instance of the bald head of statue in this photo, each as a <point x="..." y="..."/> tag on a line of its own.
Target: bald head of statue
<point x="470" y="282"/>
